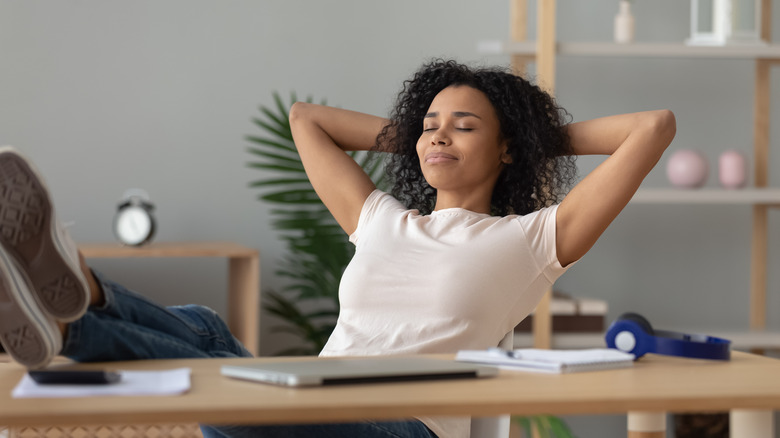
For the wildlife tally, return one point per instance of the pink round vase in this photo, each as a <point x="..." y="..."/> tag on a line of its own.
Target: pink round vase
<point x="687" y="168"/>
<point x="732" y="170"/>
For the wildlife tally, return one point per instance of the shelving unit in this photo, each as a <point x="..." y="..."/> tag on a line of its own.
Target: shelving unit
<point x="740" y="340"/>
<point x="650" y="50"/>
<point x="760" y="198"/>
<point x="769" y="197"/>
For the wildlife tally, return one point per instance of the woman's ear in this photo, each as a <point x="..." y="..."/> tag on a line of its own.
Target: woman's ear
<point x="505" y="157"/>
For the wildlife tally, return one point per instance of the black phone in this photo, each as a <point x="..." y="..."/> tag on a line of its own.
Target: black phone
<point x="74" y="377"/>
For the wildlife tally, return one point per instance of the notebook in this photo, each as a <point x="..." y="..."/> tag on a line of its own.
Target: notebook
<point x="356" y="370"/>
<point x="550" y="361"/>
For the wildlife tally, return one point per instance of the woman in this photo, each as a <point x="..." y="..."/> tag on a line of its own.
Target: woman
<point x="459" y="253"/>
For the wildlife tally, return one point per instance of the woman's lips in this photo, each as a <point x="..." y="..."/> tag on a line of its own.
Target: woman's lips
<point x="439" y="157"/>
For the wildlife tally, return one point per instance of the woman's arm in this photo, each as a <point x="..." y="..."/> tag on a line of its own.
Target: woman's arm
<point x="635" y="143"/>
<point x="322" y="135"/>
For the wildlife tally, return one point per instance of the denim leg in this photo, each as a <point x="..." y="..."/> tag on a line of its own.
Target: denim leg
<point x="367" y="429"/>
<point x="129" y="326"/>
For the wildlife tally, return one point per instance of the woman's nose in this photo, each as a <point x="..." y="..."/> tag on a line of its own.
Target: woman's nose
<point x="440" y="138"/>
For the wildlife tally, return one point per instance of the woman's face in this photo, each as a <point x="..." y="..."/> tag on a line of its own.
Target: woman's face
<point x="461" y="149"/>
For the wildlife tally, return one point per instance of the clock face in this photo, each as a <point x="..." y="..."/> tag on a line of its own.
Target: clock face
<point x="133" y="225"/>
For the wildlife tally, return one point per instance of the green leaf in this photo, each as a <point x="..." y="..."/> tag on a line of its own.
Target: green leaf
<point x="525" y="424"/>
<point x="323" y="314"/>
<point x="280" y="120"/>
<point x="278" y="181"/>
<point x="282" y="108"/>
<point x="296" y="224"/>
<point x="273" y="143"/>
<point x="281" y="133"/>
<point x="274" y="156"/>
<point x="543" y="424"/>
<point x="276" y="167"/>
<point x="293" y="196"/>
<point x="559" y="428"/>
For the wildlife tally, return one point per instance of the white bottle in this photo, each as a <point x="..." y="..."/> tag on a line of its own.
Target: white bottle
<point x="624" y="24"/>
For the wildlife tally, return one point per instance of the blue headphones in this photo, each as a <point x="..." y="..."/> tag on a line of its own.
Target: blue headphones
<point x="633" y="334"/>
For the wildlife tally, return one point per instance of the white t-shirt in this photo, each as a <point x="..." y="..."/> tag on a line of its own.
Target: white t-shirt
<point x="448" y="281"/>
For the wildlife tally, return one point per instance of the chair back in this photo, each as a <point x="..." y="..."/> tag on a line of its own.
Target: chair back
<point x="494" y="427"/>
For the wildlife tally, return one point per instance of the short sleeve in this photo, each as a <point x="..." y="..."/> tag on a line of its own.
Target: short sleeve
<point x="540" y="230"/>
<point x="377" y="203"/>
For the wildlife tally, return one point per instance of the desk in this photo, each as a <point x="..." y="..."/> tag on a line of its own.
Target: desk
<point x="243" y="279"/>
<point x="654" y="384"/>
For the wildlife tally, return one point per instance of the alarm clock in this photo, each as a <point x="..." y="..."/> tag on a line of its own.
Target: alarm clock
<point x="134" y="224"/>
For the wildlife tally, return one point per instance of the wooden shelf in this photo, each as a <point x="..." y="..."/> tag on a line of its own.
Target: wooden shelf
<point x="656" y="50"/>
<point x="243" y="276"/>
<point x="167" y="249"/>
<point x="740" y="340"/>
<point x="752" y="196"/>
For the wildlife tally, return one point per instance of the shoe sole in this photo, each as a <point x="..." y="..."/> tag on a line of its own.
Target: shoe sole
<point x="28" y="232"/>
<point x="26" y="333"/>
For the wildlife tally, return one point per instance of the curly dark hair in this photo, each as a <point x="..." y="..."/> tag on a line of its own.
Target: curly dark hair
<point x="543" y="165"/>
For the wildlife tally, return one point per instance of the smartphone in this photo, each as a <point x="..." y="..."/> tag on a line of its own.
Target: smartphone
<point x="74" y="377"/>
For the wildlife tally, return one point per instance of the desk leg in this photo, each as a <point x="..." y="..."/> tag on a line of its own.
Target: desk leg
<point x="646" y="424"/>
<point x="244" y="300"/>
<point x="542" y="322"/>
<point x="749" y="423"/>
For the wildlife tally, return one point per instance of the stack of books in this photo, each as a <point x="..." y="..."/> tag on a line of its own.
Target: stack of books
<point x="572" y="315"/>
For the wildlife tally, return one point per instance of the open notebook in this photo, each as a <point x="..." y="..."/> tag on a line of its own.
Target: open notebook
<point x="550" y="361"/>
<point x="329" y="371"/>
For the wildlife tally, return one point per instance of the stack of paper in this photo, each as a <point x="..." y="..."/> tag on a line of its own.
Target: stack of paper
<point x="550" y="361"/>
<point x="168" y="382"/>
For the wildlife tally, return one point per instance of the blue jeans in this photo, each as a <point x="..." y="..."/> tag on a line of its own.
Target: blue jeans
<point x="129" y="327"/>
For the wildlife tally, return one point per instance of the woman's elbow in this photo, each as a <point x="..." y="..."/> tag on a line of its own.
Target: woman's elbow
<point x="298" y="112"/>
<point x="660" y="127"/>
<point x="665" y="125"/>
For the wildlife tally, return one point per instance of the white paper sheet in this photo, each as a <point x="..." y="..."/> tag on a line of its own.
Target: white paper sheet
<point x="167" y="382"/>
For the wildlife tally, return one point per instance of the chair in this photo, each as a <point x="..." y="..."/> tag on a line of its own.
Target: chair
<point x="494" y="427"/>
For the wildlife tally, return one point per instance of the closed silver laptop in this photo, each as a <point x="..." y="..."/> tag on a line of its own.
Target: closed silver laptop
<point x="334" y="371"/>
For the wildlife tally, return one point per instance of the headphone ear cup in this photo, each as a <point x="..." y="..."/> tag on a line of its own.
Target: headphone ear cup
<point x="631" y="333"/>
<point x="639" y="320"/>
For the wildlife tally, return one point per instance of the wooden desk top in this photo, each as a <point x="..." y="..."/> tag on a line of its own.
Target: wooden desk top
<point x="167" y="249"/>
<point x="655" y="383"/>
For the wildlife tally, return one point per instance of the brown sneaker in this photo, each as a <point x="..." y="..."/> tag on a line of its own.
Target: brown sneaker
<point x="34" y="239"/>
<point x="29" y="335"/>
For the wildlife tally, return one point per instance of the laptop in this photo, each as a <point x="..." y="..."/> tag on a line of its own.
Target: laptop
<point x="338" y="371"/>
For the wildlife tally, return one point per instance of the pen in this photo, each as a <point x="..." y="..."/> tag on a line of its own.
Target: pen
<point x="504" y="353"/>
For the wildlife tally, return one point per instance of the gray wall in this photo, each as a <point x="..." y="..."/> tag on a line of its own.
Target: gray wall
<point x="107" y="94"/>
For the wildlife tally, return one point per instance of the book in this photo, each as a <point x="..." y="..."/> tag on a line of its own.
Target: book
<point x="571" y="315"/>
<point x="566" y="324"/>
<point x="550" y="361"/>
